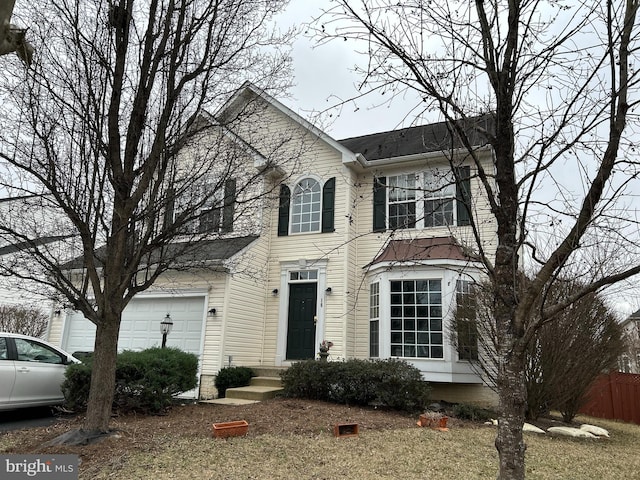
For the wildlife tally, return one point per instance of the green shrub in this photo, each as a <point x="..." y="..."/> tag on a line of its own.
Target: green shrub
<point x="146" y="381"/>
<point x="391" y="383"/>
<point x="231" y="377"/>
<point x="76" y="385"/>
<point x="474" y="413"/>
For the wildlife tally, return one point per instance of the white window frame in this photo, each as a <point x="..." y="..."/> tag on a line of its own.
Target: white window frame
<point x="374" y="316"/>
<point x="433" y="185"/>
<point x="402" y="193"/>
<point x="208" y="206"/>
<point x="465" y="288"/>
<point x="440" y="189"/>
<point x="400" y="337"/>
<point x="296" y="226"/>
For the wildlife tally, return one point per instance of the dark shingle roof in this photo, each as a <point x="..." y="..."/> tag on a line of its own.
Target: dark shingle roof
<point x="421" y="139"/>
<point x="213" y="251"/>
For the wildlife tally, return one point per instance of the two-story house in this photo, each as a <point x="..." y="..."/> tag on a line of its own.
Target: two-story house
<point x="630" y="360"/>
<point x="367" y="243"/>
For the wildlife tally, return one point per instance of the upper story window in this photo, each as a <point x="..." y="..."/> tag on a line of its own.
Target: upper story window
<point x="305" y="206"/>
<point x="402" y="201"/>
<point x="206" y="208"/>
<point x="308" y="209"/>
<point x="422" y="200"/>
<point x="439" y="197"/>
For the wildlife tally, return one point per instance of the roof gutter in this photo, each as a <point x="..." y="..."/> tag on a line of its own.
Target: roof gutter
<point x="361" y="162"/>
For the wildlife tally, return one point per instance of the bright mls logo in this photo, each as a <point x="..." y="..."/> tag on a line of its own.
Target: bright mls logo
<point x="56" y="467"/>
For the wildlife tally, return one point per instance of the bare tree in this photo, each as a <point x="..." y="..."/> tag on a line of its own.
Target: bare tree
<point x="560" y="82"/>
<point x="24" y="320"/>
<point x="110" y="126"/>
<point x="564" y="357"/>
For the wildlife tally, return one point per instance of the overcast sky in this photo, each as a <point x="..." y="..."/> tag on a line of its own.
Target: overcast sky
<point x="324" y="75"/>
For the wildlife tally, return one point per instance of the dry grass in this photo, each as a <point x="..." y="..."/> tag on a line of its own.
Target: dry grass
<point x="291" y="439"/>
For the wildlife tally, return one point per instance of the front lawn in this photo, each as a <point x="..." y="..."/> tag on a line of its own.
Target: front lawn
<point x="292" y="439"/>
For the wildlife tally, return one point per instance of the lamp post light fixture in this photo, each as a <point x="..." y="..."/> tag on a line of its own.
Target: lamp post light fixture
<point x="165" y="328"/>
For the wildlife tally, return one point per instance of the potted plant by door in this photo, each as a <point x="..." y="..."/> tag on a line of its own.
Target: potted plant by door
<point x="324" y="350"/>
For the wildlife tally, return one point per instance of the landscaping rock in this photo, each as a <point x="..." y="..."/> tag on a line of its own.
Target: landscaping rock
<point x="597" y="431"/>
<point x="570" y="432"/>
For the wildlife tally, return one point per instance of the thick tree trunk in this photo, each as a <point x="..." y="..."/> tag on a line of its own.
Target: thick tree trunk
<point x="103" y="379"/>
<point x="509" y="441"/>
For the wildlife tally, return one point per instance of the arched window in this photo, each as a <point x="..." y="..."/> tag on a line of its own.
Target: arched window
<point x="306" y="206"/>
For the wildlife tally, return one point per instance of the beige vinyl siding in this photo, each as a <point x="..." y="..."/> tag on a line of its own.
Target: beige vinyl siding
<point x="211" y="355"/>
<point x="358" y="338"/>
<point x="244" y="320"/>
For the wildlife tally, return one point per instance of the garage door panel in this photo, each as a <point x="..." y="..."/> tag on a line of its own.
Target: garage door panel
<point x="140" y="327"/>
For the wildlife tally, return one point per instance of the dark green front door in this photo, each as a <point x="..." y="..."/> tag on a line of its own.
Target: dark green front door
<point x="301" y="331"/>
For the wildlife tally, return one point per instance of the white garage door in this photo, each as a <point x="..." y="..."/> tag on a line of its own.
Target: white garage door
<point x="140" y="326"/>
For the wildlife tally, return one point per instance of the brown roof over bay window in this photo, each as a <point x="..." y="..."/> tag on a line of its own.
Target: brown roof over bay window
<point x="421" y="249"/>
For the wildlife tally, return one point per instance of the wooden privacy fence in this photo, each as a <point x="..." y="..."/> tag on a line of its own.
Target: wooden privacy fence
<point x="615" y="396"/>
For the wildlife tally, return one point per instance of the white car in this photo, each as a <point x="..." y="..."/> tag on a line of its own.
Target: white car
<point x="31" y="372"/>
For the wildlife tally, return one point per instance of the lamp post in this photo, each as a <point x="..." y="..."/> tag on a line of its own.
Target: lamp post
<point x="165" y="328"/>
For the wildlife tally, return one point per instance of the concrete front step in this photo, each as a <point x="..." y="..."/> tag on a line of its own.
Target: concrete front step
<point x="268" y="371"/>
<point x="266" y="382"/>
<point x="253" y="392"/>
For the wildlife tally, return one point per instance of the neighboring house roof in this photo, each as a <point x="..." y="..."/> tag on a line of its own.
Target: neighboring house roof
<point x="420" y="249"/>
<point x="631" y="318"/>
<point x="18" y="247"/>
<point x="435" y="137"/>
<point x="213" y="251"/>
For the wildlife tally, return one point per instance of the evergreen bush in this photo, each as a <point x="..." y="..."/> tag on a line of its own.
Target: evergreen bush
<point x="146" y="381"/>
<point x="465" y="411"/>
<point x="391" y="383"/>
<point x="231" y="377"/>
